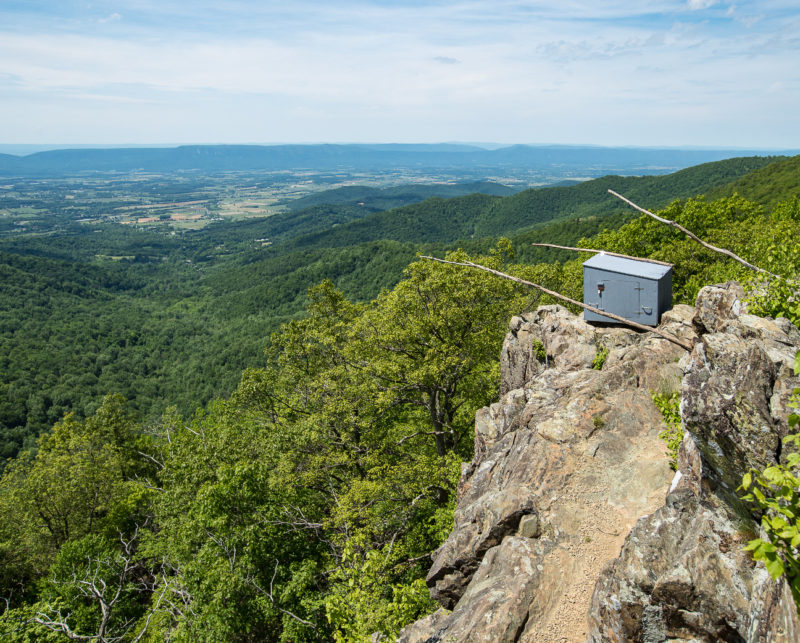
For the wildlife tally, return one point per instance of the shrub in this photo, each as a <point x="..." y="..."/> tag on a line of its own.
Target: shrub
<point x="669" y="405"/>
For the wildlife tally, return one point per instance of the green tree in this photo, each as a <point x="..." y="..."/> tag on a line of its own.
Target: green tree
<point x="322" y="485"/>
<point x="72" y="518"/>
<point x="79" y="482"/>
<point x="432" y="342"/>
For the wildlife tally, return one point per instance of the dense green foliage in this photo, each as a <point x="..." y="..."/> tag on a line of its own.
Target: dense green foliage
<point x="173" y="319"/>
<point x="769" y="185"/>
<point x="159" y="332"/>
<point x="301" y="503"/>
<point x="313" y="495"/>
<point x="70" y="529"/>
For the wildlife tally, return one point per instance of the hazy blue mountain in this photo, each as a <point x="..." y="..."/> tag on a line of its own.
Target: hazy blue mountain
<point x="220" y="158"/>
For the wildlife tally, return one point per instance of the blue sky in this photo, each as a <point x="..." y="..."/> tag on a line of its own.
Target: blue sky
<point x="662" y="72"/>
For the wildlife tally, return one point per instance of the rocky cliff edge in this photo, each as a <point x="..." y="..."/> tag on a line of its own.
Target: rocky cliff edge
<point x="571" y="525"/>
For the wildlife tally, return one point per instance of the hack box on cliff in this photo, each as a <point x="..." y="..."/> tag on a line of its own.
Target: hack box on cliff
<point x="637" y="290"/>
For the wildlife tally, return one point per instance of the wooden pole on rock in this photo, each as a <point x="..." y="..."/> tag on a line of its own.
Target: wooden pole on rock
<point x="552" y="293"/>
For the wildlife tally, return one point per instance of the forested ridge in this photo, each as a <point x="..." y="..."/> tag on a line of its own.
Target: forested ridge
<point x="173" y="319"/>
<point x="293" y="494"/>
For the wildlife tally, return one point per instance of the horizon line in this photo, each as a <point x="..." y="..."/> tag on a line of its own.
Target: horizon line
<point x="486" y="145"/>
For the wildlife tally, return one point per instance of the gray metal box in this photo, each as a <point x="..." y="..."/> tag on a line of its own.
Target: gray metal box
<point x="636" y="290"/>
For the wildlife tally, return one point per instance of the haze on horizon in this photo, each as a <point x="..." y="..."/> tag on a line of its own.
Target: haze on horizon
<point x="670" y="73"/>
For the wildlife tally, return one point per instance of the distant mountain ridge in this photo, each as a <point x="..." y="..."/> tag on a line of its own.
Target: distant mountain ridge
<point x="440" y="220"/>
<point x="223" y="158"/>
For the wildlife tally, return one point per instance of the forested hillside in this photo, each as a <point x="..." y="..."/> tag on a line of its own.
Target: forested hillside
<point x="302" y="500"/>
<point x="479" y="216"/>
<point x="168" y="319"/>
<point x="769" y="185"/>
<point x="395" y="197"/>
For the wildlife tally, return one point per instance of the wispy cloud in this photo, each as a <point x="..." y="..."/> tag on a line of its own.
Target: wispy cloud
<point x="114" y="17"/>
<point x="509" y="70"/>
<point x="696" y="5"/>
<point x="447" y="60"/>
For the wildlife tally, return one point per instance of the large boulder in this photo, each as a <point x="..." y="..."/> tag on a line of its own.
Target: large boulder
<point x="564" y="465"/>
<point x="570" y="525"/>
<point x="682" y="573"/>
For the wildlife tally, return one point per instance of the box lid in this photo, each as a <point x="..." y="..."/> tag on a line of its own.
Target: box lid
<point x="635" y="267"/>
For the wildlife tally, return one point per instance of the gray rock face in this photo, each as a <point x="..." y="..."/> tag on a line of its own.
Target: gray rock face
<point x="562" y="511"/>
<point x="563" y="467"/>
<point x="682" y="573"/>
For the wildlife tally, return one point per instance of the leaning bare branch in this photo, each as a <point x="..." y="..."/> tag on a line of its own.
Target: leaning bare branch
<point x="413" y="435"/>
<point x="145" y="483"/>
<point x="60" y="625"/>
<point x="606" y="252"/>
<point x="621" y="320"/>
<point x="230" y="552"/>
<point x="270" y="595"/>
<point x="159" y="463"/>
<point x="693" y="236"/>
<point x="409" y="561"/>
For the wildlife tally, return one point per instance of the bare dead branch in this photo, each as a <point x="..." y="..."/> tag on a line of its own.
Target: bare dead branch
<point x="413" y="435"/>
<point x="230" y="552"/>
<point x="552" y="293"/>
<point x="613" y="254"/>
<point x="145" y="483"/>
<point x="59" y="624"/>
<point x="172" y="587"/>
<point x="159" y="463"/>
<point x="269" y="594"/>
<point x="409" y="561"/>
<point x="94" y="588"/>
<point x="693" y="236"/>
<point x="391" y="546"/>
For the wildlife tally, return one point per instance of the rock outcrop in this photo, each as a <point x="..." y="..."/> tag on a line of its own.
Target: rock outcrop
<point x="570" y="524"/>
<point x="682" y="572"/>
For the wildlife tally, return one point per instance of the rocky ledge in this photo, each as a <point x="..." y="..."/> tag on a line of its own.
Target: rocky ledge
<point x="571" y="525"/>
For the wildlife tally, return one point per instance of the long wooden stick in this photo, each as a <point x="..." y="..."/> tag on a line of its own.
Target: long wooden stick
<point x="552" y="293"/>
<point x="693" y="236"/>
<point x="606" y="252"/>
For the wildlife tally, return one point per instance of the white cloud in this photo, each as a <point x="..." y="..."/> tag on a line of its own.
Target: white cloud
<point x="447" y="60"/>
<point x="114" y="17"/>
<point x="696" y="5"/>
<point x="510" y="71"/>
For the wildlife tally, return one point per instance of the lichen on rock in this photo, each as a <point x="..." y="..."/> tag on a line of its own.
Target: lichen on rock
<point x="562" y="531"/>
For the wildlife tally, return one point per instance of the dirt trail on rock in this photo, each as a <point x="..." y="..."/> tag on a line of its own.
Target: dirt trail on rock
<point x="595" y="531"/>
